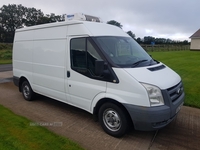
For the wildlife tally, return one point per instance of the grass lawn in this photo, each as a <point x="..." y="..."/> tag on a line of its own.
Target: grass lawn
<point x="5" y="62"/>
<point x="16" y="133"/>
<point x="187" y="65"/>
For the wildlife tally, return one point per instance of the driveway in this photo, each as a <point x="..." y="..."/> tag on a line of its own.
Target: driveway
<point x="181" y="134"/>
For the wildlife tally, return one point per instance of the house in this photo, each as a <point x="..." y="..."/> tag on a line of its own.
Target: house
<point x="195" y="41"/>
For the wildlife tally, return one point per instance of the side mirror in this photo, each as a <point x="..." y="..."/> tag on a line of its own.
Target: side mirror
<point x="99" y="67"/>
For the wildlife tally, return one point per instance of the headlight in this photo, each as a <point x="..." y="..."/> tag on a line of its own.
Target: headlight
<point x="155" y="95"/>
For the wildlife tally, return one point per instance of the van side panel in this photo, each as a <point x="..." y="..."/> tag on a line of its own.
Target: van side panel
<point x="49" y="61"/>
<point x="48" y="68"/>
<point x="58" y="32"/>
<point x="22" y="55"/>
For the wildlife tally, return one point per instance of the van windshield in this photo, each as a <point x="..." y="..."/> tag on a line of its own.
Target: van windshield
<point x="124" y="51"/>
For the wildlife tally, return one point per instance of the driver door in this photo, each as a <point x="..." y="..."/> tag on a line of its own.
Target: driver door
<point x="82" y="83"/>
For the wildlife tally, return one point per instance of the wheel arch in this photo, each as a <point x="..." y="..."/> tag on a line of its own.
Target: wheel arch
<point x="21" y="80"/>
<point x="109" y="100"/>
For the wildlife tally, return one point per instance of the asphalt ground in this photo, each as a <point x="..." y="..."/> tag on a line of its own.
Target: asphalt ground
<point x="183" y="133"/>
<point x="6" y="67"/>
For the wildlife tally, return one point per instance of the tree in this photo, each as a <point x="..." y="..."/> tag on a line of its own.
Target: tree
<point x="149" y="39"/>
<point x="36" y="17"/>
<point x="15" y="16"/>
<point x="169" y="41"/>
<point x="11" y="17"/>
<point x="33" y="17"/>
<point x="130" y="33"/>
<point x="55" y="18"/>
<point x="2" y="34"/>
<point x="139" y="40"/>
<point x="113" y="22"/>
<point x="185" y="42"/>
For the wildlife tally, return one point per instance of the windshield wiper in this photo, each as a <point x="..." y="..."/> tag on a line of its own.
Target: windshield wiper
<point x="138" y="62"/>
<point x="151" y="62"/>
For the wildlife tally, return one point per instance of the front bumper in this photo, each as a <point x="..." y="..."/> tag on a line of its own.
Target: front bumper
<point x="153" y="118"/>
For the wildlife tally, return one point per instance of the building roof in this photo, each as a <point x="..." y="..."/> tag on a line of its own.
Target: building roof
<point x="196" y="34"/>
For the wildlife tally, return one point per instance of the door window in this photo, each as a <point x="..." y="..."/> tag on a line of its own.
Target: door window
<point x="83" y="56"/>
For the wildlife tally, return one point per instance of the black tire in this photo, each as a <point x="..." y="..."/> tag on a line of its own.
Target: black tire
<point x="27" y="91"/>
<point x="114" y="120"/>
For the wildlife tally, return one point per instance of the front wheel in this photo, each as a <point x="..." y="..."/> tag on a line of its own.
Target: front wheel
<point x="27" y="91"/>
<point x="113" y="120"/>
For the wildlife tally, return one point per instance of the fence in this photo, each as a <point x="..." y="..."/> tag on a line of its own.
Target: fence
<point x="152" y="48"/>
<point x="149" y="48"/>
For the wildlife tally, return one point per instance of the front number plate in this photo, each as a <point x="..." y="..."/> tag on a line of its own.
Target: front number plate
<point x="179" y="108"/>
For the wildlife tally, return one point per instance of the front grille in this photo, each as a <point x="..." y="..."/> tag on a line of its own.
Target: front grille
<point x="175" y="92"/>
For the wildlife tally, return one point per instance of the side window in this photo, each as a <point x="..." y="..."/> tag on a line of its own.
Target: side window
<point x="78" y="53"/>
<point x="92" y="56"/>
<point x="83" y="56"/>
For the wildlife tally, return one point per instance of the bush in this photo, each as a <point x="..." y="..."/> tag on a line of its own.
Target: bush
<point x="6" y="46"/>
<point x="6" y="54"/>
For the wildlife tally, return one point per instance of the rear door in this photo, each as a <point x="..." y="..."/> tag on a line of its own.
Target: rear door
<point x="83" y="83"/>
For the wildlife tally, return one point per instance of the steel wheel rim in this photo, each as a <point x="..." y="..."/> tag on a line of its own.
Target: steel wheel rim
<point x="26" y="91"/>
<point x="111" y="119"/>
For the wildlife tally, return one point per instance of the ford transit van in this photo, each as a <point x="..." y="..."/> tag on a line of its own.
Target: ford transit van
<point x="99" y="68"/>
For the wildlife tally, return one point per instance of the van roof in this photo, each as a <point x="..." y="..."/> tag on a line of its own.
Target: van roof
<point x="93" y="28"/>
<point x="48" y="25"/>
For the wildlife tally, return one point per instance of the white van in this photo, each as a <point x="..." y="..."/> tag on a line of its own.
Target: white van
<point x="99" y="68"/>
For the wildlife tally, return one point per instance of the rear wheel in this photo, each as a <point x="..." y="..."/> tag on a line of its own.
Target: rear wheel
<point x="27" y="91"/>
<point x="113" y="119"/>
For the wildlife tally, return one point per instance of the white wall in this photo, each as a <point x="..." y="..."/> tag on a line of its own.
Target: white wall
<point x="195" y="44"/>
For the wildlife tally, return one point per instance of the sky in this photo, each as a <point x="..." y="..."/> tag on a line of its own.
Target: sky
<point x="174" y="19"/>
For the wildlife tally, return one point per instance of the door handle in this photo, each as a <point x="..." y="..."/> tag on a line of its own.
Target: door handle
<point x="68" y="74"/>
